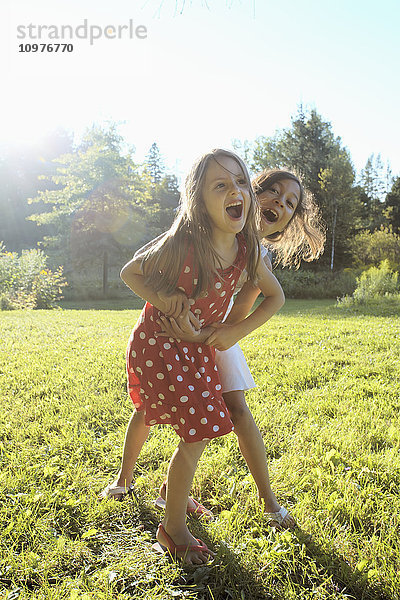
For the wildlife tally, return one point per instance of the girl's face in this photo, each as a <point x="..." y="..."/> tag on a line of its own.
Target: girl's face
<point x="226" y="195"/>
<point x="278" y="204"/>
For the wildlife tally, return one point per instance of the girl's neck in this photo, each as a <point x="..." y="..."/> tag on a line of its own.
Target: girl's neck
<point x="226" y="246"/>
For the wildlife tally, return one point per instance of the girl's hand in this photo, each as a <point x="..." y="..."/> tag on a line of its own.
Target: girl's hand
<point x="223" y="336"/>
<point x="177" y="304"/>
<point x="188" y="323"/>
<point x="193" y="320"/>
<point x="187" y="330"/>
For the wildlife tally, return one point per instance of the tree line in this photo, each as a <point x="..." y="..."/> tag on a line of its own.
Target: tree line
<point x="93" y="204"/>
<point x="353" y="208"/>
<point x="87" y="205"/>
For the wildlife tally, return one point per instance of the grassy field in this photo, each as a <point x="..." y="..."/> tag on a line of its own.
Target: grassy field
<point x="327" y="403"/>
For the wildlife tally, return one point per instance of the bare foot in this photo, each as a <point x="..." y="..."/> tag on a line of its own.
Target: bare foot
<point x="184" y="546"/>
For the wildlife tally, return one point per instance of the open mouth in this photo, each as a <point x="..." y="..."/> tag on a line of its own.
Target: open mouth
<point x="270" y="215"/>
<point x="235" y="209"/>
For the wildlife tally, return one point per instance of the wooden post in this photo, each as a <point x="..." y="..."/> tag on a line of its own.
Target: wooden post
<point x="333" y="234"/>
<point x="105" y="272"/>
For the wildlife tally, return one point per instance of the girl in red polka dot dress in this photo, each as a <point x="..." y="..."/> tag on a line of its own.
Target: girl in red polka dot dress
<point x="212" y="240"/>
<point x="178" y="383"/>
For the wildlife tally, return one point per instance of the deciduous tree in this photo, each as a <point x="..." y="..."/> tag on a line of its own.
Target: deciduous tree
<point x="99" y="207"/>
<point x="20" y="168"/>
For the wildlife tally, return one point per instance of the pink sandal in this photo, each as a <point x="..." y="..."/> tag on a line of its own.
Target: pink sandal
<point x="173" y="549"/>
<point x="199" y="510"/>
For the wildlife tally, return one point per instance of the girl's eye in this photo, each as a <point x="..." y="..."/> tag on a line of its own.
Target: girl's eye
<point x="290" y="204"/>
<point x="220" y="185"/>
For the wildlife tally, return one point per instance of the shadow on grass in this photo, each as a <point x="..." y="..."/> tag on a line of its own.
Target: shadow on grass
<point x="348" y="582"/>
<point x="291" y="307"/>
<point x="329" y="310"/>
<point x="370" y="310"/>
<point x="312" y="573"/>
<point x="227" y="578"/>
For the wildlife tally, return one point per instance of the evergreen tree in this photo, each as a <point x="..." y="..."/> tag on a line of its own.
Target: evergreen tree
<point x="339" y="201"/>
<point x="310" y="148"/>
<point x="167" y="199"/>
<point x="154" y="164"/>
<point x="392" y="206"/>
<point x="376" y="180"/>
<point x="164" y="190"/>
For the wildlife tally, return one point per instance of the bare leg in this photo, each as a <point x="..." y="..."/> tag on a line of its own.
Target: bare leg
<point x="180" y="476"/>
<point x="252" y="447"/>
<point x="135" y="437"/>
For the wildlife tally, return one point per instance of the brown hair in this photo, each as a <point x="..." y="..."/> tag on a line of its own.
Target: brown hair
<point x="162" y="259"/>
<point x="304" y="236"/>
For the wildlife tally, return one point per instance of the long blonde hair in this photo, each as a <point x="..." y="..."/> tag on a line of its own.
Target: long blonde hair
<point x="304" y="236"/>
<point x="162" y="259"/>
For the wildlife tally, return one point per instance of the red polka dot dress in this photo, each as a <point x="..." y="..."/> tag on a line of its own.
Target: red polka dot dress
<point x="177" y="382"/>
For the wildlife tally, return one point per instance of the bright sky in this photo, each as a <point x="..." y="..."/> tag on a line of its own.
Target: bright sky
<point x="237" y="69"/>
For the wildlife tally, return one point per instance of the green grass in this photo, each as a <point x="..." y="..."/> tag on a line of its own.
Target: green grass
<point x="327" y="403"/>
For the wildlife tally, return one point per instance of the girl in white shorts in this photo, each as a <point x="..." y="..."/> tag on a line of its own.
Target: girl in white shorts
<point x="232" y="366"/>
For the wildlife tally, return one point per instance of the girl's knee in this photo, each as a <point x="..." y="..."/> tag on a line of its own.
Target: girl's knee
<point x="236" y="404"/>
<point x="137" y="422"/>
<point x="194" y="446"/>
<point x="193" y="450"/>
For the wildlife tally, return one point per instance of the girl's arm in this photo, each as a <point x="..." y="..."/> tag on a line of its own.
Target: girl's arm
<point x="245" y="299"/>
<point x="243" y="303"/>
<point x="182" y="329"/>
<point x="226" y="335"/>
<point x="173" y="306"/>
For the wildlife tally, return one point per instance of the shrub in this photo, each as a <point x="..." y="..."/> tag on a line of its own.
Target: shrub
<point x="370" y="249"/>
<point x="376" y="281"/>
<point x="315" y="285"/>
<point x="27" y="282"/>
<point x="8" y="269"/>
<point x="374" y="284"/>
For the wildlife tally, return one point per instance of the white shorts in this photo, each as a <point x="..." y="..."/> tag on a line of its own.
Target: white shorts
<point x="233" y="370"/>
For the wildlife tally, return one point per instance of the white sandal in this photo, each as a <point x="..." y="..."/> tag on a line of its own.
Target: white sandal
<point x="278" y="517"/>
<point x="199" y="510"/>
<point x="116" y="493"/>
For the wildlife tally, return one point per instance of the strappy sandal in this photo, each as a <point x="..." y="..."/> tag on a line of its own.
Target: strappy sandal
<point x="278" y="517"/>
<point x="174" y="549"/>
<point x="199" y="510"/>
<point x="117" y="493"/>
